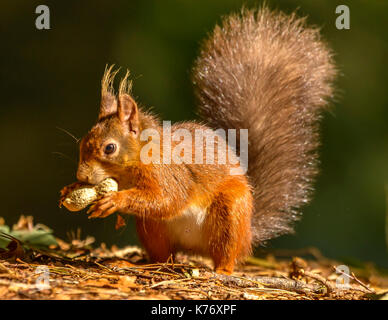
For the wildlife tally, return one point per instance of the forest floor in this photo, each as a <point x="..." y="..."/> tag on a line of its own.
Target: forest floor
<point x="36" y="265"/>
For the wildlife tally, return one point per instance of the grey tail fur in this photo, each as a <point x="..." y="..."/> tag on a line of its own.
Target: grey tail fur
<point x="268" y="72"/>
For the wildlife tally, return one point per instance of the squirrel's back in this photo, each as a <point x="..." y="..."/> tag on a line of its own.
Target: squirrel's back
<point x="271" y="74"/>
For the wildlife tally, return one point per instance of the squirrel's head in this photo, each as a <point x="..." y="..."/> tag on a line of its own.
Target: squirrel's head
<point x="113" y="143"/>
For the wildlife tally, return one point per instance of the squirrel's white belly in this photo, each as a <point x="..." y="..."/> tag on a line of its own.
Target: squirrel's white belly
<point x="186" y="230"/>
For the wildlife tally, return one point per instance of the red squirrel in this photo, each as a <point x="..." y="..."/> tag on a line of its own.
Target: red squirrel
<point x="261" y="70"/>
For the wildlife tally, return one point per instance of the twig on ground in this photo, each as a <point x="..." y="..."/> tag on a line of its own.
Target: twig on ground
<point x="361" y="287"/>
<point x="271" y="282"/>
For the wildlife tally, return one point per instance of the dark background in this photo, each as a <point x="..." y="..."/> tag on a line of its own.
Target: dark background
<point x="51" y="78"/>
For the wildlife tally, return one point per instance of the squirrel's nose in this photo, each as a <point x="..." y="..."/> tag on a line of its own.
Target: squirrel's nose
<point x="83" y="178"/>
<point x="82" y="174"/>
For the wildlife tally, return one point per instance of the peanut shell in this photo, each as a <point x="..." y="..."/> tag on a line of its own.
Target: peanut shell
<point x="83" y="196"/>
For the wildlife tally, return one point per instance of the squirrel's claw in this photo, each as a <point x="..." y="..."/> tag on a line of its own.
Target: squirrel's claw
<point x="104" y="207"/>
<point x="63" y="193"/>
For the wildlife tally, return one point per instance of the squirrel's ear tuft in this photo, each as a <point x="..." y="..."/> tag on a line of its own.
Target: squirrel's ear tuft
<point x="125" y="85"/>
<point x="128" y="113"/>
<point x="127" y="108"/>
<point x="108" y="99"/>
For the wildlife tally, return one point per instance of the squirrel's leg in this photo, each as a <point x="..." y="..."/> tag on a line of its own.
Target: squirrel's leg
<point x="153" y="236"/>
<point x="228" y="225"/>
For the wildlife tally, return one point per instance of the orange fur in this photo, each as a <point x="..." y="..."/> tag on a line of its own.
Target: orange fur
<point x="263" y="71"/>
<point x="152" y="233"/>
<point x="228" y="224"/>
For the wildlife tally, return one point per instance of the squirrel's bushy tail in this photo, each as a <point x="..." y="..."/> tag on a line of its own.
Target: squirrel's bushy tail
<point x="271" y="74"/>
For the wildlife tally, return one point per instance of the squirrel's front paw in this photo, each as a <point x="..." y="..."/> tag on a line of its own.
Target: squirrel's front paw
<point x="106" y="206"/>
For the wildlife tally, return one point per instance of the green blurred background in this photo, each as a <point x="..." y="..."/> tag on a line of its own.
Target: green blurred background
<point x="51" y="78"/>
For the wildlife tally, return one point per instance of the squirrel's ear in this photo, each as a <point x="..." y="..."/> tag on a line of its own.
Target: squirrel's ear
<point x="108" y="105"/>
<point x="128" y="113"/>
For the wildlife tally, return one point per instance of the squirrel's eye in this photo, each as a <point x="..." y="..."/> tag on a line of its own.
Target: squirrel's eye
<point x="110" y="148"/>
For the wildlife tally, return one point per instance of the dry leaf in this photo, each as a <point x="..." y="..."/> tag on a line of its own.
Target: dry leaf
<point x="3" y="292"/>
<point x="118" y="264"/>
<point x="24" y="223"/>
<point x="100" y="283"/>
<point x="125" y="283"/>
<point x="13" y="250"/>
<point x="120" y="222"/>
